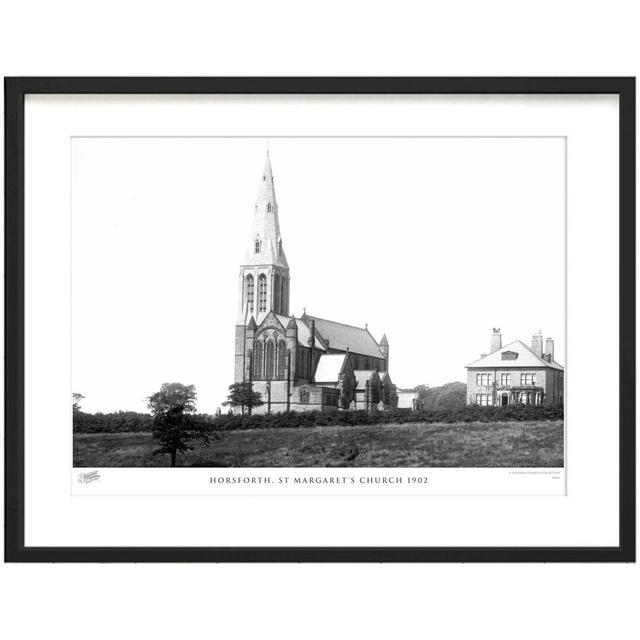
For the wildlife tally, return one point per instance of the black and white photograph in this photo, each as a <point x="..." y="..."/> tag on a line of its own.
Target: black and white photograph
<point x="321" y="301"/>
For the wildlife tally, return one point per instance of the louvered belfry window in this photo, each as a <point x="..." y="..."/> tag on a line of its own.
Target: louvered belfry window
<point x="250" y="292"/>
<point x="262" y="292"/>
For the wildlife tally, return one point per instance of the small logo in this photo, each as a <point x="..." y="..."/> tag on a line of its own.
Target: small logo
<point x="90" y="476"/>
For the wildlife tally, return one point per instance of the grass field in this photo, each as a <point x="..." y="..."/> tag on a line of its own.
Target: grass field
<point x="496" y="444"/>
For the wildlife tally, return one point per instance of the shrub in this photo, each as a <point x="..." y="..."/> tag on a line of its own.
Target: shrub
<point x="468" y="413"/>
<point x="117" y="422"/>
<point x="128" y="421"/>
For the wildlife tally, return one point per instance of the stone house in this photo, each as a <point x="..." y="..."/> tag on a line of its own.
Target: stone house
<point x="516" y="374"/>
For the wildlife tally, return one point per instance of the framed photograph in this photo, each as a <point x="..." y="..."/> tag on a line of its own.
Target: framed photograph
<point x="320" y="319"/>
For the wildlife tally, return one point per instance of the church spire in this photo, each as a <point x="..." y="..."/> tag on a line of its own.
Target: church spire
<point x="267" y="191"/>
<point x="265" y="241"/>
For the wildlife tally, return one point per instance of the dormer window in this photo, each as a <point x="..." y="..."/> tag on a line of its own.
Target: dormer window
<point x="509" y="355"/>
<point x="258" y="244"/>
<point x="269" y="207"/>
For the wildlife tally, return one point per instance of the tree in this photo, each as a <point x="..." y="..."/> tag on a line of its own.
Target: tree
<point x="241" y="394"/>
<point x="393" y="397"/>
<point x="448" y="396"/>
<point x="175" y="425"/>
<point x="77" y="399"/>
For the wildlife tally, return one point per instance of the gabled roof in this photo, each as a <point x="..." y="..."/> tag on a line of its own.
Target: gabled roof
<point x="304" y="333"/>
<point x="362" y="375"/>
<point x="525" y="358"/>
<point x="329" y="367"/>
<point x="345" y="336"/>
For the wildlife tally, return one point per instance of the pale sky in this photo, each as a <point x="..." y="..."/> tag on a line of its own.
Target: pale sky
<point x="432" y="241"/>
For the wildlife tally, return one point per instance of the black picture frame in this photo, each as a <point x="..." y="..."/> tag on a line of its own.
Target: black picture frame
<point x="15" y="91"/>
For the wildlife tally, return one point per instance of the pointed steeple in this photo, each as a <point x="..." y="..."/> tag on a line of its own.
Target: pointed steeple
<point x="384" y="349"/>
<point x="265" y="241"/>
<point x="267" y="191"/>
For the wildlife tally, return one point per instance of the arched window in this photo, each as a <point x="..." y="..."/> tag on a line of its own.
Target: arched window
<point x="276" y="294"/>
<point x="249" y="288"/>
<point x="262" y="292"/>
<point x="282" y="360"/>
<point x="269" y="207"/>
<point x="375" y="394"/>
<point x="269" y="360"/>
<point x="257" y="361"/>
<point x="258" y="244"/>
<point x="301" y="363"/>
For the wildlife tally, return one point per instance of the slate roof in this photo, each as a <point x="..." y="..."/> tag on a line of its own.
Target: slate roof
<point x="345" y="336"/>
<point x="362" y="375"/>
<point x="526" y="358"/>
<point x="304" y="333"/>
<point x="329" y="367"/>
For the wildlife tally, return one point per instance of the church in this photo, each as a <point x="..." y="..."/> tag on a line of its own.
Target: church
<point x="299" y="364"/>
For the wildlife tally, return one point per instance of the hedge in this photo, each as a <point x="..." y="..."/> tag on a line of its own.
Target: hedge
<point x="129" y="421"/>
<point x="118" y="422"/>
<point x="471" y="413"/>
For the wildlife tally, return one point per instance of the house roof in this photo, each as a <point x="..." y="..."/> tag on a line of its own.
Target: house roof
<point x="525" y="358"/>
<point x="304" y="333"/>
<point x="329" y="367"/>
<point x="362" y="375"/>
<point x="346" y="337"/>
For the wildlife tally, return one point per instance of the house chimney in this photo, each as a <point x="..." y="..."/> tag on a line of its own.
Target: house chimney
<point x="496" y="340"/>
<point x="536" y="344"/>
<point x="548" y="347"/>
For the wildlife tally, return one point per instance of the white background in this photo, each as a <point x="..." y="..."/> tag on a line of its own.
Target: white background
<point x="491" y="38"/>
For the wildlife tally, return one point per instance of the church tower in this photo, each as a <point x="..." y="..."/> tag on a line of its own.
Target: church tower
<point x="264" y="272"/>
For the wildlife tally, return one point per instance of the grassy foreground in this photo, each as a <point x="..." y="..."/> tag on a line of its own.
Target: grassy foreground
<point x="474" y="444"/>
